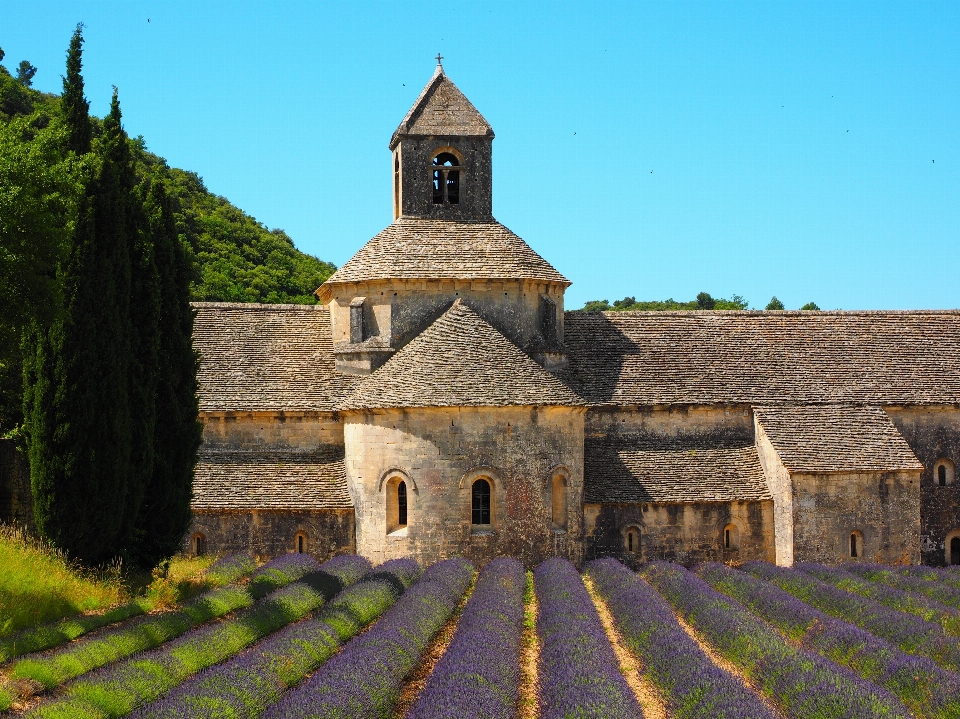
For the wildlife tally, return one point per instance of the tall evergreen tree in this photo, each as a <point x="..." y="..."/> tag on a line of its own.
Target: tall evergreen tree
<point x="164" y="514"/>
<point x="78" y="413"/>
<point x="76" y="109"/>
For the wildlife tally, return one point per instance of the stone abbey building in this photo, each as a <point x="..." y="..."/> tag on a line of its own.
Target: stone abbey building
<point x="440" y="401"/>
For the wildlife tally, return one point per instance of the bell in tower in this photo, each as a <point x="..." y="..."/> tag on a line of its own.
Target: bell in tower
<point x="442" y="157"/>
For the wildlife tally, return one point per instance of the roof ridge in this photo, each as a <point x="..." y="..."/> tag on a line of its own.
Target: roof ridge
<point x="465" y="117"/>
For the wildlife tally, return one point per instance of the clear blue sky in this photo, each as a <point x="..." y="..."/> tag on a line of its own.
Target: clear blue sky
<point x="808" y="150"/>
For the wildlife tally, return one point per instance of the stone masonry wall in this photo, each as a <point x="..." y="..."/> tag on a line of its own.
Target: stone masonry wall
<point x="883" y="506"/>
<point x="735" y="420"/>
<point x="415" y="155"/>
<point x="303" y="431"/>
<point x="683" y="533"/>
<point x="781" y="487"/>
<point x="439" y="452"/>
<point x="268" y="534"/>
<point x="933" y="433"/>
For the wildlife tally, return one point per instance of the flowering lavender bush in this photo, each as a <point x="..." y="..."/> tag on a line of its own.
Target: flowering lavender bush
<point x="117" y="690"/>
<point x="135" y="636"/>
<point x="363" y="680"/>
<point x="802" y="683"/>
<point x="692" y="684"/>
<point x="244" y="686"/>
<point x="909" y="582"/>
<point x="579" y="672"/>
<point x="919" y="683"/>
<point x="479" y="674"/>
<point x="889" y="596"/>
<point x="229" y="569"/>
<point x="279" y="572"/>
<point x="910" y="633"/>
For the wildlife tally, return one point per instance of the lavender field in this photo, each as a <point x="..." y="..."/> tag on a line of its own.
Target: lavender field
<point x="348" y="640"/>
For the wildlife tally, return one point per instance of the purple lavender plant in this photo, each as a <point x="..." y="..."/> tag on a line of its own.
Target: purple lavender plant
<point x="803" y="684"/>
<point x="579" y="674"/>
<point x="245" y="685"/>
<point x="692" y="684"/>
<point x="479" y="674"/>
<point x="229" y="569"/>
<point x="918" y="682"/>
<point x="907" y="632"/>
<point x="279" y="572"/>
<point x="935" y="591"/>
<point x="363" y="681"/>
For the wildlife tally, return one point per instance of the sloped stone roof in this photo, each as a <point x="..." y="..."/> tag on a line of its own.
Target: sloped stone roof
<point x="441" y="109"/>
<point x="231" y="480"/>
<point x="763" y="358"/>
<point x="415" y="248"/>
<point x="460" y="361"/>
<point x="266" y="357"/>
<point x="836" y="438"/>
<point x="683" y="468"/>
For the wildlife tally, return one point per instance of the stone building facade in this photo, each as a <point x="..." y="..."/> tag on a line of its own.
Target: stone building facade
<point x="439" y="401"/>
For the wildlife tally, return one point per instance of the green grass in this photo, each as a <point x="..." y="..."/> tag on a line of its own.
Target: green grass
<point x="39" y="585"/>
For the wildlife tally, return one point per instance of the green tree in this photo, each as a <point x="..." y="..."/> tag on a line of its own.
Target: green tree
<point x="774" y="304"/>
<point x="25" y="73"/>
<point x="705" y="301"/>
<point x="810" y="306"/>
<point x="76" y="109"/>
<point x="77" y="409"/>
<point x="164" y="514"/>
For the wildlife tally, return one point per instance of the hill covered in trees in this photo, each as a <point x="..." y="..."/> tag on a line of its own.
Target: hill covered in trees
<point x="704" y="301"/>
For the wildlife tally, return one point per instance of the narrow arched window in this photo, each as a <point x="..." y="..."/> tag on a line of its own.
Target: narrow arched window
<point x="944" y="472"/>
<point x="631" y="540"/>
<point x="396" y="183"/>
<point x="480" y="502"/>
<point x="446" y="179"/>
<point x="199" y="544"/>
<point x="942" y="475"/>
<point x="856" y="548"/>
<point x="559" y="501"/>
<point x="402" y="504"/>
<point x="300" y="543"/>
<point x="955" y="550"/>
<point x="731" y="538"/>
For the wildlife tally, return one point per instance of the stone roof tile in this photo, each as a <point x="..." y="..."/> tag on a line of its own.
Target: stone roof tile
<point x="414" y="248"/>
<point x="266" y="357"/>
<point x="230" y="480"/>
<point x="460" y="361"/>
<point x="666" y="358"/>
<point x="679" y="468"/>
<point x="836" y="438"/>
<point x="442" y="110"/>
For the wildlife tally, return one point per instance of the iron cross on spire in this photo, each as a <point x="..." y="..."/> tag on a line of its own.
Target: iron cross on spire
<point x="439" y="59"/>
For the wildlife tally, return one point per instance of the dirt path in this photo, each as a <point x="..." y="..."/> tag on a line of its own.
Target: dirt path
<point x="417" y="680"/>
<point x="650" y="698"/>
<point x="529" y="656"/>
<point x="729" y="667"/>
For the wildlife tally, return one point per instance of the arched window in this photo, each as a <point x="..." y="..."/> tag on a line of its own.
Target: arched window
<point x="446" y="179"/>
<point x="396" y="183"/>
<point x="480" y="502"/>
<point x="955" y="550"/>
<point x="856" y="545"/>
<point x="731" y="538"/>
<point x="199" y="544"/>
<point x="944" y="472"/>
<point x="300" y="543"/>
<point x="631" y="540"/>
<point x="559" y="496"/>
<point x="397" y="504"/>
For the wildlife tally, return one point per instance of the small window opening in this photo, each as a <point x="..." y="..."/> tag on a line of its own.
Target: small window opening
<point x="942" y="475"/>
<point x="402" y="504"/>
<point x="549" y="320"/>
<point x="856" y="545"/>
<point x="356" y="319"/>
<point x="632" y="540"/>
<point x="731" y="538"/>
<point x="301" y="542"/>
<point x="629" y="541"/>
<point x="943" y="471"/>
<point x="480" y="503"/>
<point x="199" y="545"/>
<point x="446" y="179"/>
<point x="559" y="497"/>
<point x="955" y="550"/>
<point x="396" y="185"/>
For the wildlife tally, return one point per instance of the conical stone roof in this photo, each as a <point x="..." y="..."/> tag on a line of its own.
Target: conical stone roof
<point x="442" y="109"/>
<point x="460" y="361"/>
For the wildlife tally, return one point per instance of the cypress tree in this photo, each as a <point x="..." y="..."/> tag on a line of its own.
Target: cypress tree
<point x="76" y="109"/>
<point x="165" y="511"/>
<point x="78" y="430"/>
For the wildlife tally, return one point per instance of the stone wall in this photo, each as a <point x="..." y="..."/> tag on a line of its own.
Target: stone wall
<point x="16" y="499"/>
<point x="733" y="420"/>
<point x="781" y="487"/>
<point x="933" y="434"/>
<point x="268" y="534"/>
<point x="683" y="533"/>
<point x="439" y="453"/>
<point x="304" y="431"/>
<point x="884" y="507"/>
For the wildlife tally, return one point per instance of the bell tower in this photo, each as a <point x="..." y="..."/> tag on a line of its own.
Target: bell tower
<point x="442" y="157"/>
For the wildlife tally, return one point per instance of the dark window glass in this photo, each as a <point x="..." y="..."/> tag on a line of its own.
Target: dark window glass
<point x="726" y="538"/>
<point x="955" y="550"/>
<point x="481" y="502"/>
<point x="853" y="545"/>
<point x="942" y="475"/>
<point x="201" y="545"/>
<point x="629" y="541"/>
<point x="402" y="504"/>
<point x="300" y="543"/>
